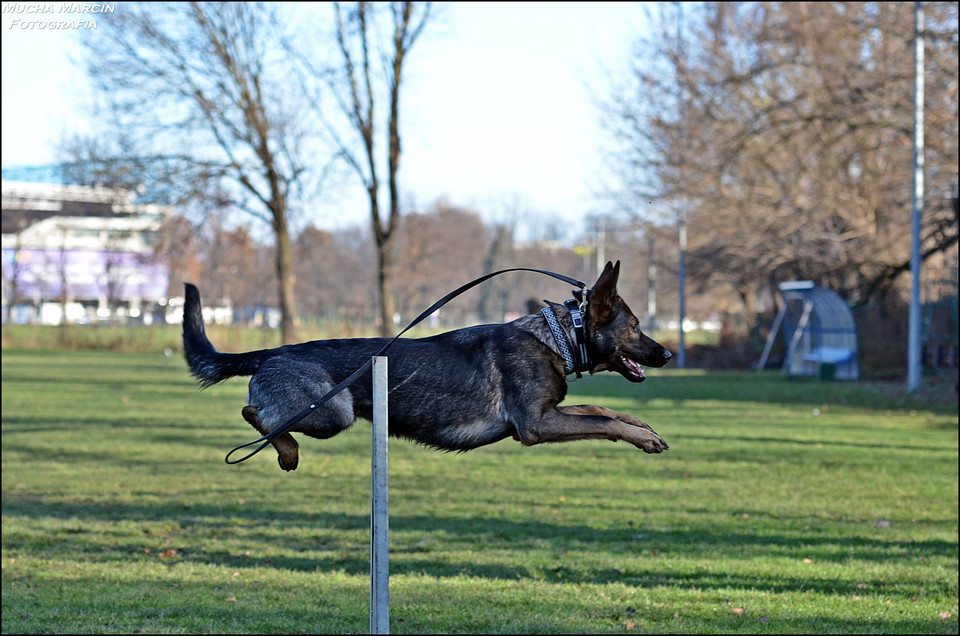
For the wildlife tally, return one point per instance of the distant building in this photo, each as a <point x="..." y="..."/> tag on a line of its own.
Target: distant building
<point x="80" y="255"/>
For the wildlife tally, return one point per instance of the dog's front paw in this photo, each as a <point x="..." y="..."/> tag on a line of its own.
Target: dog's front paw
<point x="649" y="442"/>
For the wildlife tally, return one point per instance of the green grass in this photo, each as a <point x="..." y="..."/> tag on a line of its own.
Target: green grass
<point x="156" y="338"/>
<point x="782" y="507"/>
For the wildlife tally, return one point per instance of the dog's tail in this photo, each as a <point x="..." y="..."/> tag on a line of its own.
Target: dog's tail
<point x="206" y="363"/>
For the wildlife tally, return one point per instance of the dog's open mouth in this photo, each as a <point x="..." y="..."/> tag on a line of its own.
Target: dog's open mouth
<point x="634" y="372"/>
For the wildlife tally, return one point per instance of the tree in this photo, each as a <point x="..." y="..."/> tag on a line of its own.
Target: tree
<point x="783" y="129"/>
<point x="13" y="270"/>
<point x="495" y="294"/>
<point x="201" y="96"/>
<point x="372" y="70"/>
<point x="438" y="251"/>
<point x="177" y="244"/>
<point x="335" y="272"/>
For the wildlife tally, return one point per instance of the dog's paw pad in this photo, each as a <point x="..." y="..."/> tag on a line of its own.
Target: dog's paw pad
<point x="652" y="444"/>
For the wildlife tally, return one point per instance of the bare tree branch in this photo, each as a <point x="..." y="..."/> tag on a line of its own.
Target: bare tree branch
<point x="203" y="93"/>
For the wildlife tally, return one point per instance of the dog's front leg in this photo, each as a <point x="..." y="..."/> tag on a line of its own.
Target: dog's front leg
<point x="593" y="409"/>
<point x="587" y="421"/>
<point x="645" y="438"/>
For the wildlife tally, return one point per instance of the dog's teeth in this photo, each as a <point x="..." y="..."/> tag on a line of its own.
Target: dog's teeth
<point x="632" y="366"/>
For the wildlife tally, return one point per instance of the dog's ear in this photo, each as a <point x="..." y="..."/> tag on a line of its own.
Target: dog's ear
<point x="604" y="301"/>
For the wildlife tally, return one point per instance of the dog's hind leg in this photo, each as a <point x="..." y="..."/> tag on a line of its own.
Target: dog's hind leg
<point x="288" y="451"/>
<point x="283" y="387"/>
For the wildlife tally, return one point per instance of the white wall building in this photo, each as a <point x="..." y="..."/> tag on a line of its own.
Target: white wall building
<point x="80" y="254"/>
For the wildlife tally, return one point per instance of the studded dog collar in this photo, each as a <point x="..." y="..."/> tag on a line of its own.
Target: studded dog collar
<point x="575" y="358"/>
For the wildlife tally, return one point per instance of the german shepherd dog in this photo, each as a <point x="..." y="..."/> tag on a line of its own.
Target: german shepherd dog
<point x="455" y="391"/>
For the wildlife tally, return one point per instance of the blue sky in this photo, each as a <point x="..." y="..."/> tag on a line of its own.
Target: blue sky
<point x="503" y="94"/>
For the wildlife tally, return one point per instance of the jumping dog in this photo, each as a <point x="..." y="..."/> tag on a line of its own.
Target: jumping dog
<point x="455" y="391"/>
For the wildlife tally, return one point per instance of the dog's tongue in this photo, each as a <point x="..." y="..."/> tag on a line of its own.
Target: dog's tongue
<point x="634" y="368"/>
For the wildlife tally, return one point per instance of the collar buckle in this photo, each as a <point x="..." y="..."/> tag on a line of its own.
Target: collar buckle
<point x="577" y="311"/>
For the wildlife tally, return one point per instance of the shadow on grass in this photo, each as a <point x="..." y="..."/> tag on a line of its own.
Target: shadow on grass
<point x="148" y="605"/>
<point x="194" y="607"/>
<point x="321" y="536"/>
<point x="98" y="456"/>
<point x="771" y="388"/>
<point x="893" y="445"/>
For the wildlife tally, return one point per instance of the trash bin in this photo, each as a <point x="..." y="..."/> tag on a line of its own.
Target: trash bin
<point x="828" y="371"/>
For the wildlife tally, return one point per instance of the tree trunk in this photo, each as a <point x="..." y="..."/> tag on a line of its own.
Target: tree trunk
<point x="385" y="286"/>
<point x="285" y="278"/>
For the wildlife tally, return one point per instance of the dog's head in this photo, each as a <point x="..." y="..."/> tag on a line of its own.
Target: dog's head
<point x="614" y="337"/>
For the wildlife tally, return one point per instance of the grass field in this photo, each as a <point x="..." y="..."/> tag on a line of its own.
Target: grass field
<point x="782" y="507"/>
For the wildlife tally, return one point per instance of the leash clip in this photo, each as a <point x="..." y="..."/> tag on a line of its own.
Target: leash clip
<point x="584" y="298"/>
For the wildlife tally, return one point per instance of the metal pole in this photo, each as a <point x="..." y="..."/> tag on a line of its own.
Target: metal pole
<point x="651" y="283"/>
<point x="379" y="515"/>
<point x="682" y="284"/>
<point x="767" y="348"/>
<point x="681" y="238"/>
<point x="601" y="244"/>
<point x="797" y="336"/>
<point x="914" y="369"/>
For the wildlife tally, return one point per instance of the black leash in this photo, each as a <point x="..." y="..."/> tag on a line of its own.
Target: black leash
<point x="266" y="439"/>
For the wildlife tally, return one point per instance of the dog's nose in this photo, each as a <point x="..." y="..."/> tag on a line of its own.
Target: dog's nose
<point x="667" y="355"/>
